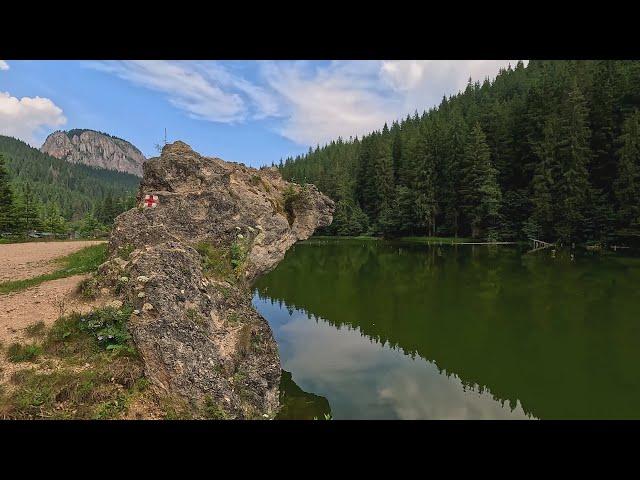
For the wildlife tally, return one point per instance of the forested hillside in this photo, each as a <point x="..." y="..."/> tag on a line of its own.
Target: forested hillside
<point x="550" y="150"/>
<point x="42" y="192"/>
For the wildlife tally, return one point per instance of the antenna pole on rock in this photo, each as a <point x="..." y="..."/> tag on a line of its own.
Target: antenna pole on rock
<point x="165" y="135"/>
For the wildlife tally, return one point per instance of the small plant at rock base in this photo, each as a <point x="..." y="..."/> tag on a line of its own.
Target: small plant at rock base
<point x="107" y="327"/>
<point x="110" y="409"/>
<point x="175" y="408"/>
<point x="238" y="253"/>
<point x="88" y="288"/>
<point x="124" y="252"/>
<point x="23" y="353"/>
<point x="120" y="284"/>
<point x="212" y="411"/>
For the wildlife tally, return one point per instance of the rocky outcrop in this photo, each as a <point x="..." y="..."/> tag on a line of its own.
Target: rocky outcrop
<point x="186" y="263"/>
<point x="95" y="149"/>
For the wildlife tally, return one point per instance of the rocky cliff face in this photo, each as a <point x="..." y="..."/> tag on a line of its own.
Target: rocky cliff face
<point x="185" y="261"/>
<point x="95" y="149"/>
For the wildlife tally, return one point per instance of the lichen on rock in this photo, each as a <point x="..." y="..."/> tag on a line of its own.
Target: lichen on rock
<point x="216" y="227"/>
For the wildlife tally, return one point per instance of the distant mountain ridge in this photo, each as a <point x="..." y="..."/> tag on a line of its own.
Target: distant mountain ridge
<point x="95" y="149"/>
<point x="75" y="188"/>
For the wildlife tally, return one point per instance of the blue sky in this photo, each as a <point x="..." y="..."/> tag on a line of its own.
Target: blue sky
<point x="253" y="112"/>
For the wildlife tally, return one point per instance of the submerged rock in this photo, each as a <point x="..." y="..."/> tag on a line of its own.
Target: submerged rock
<point x="211" y="229"/>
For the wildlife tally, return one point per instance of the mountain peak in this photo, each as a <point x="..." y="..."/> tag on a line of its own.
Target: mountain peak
<point x="96" y="149"/>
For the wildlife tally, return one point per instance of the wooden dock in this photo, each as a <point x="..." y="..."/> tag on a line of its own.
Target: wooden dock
<point x="539" y="245"/>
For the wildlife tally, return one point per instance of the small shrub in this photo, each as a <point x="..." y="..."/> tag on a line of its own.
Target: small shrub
<point x="23" y="353"/>
<point x="119" y="287"/>
<point x="238" y="254"/>
<point x="88" y="288"/>
<point x="124" y="252"/>
<point x="212" y="411"/>
<point x="293" y="200"/>
<point x="255" y="180"/>
<point x="216" y="262"/>
<point x="106" y="327"/>
<point x="265" y="185"/>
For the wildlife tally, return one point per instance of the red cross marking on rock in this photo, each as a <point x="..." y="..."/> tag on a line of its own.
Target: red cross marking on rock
<point x="150" y="201"/>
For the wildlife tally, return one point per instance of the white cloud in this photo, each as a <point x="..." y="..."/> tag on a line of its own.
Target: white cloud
<point x="356" y="97"/>
<point x="338" y="100"/>
<point x="26" y="118"/>
<point x="317" y="101"/>
<point x="4" y="65"/>
<point x="204" y="91"/>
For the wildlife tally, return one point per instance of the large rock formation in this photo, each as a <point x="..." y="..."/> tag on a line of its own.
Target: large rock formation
<point x="186" y="264"/>
<point x="95" y="149"/>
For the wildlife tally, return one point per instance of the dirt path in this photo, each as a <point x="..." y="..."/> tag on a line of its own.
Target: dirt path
<point x="45" y="302"/>
<point x="19" y="261"/>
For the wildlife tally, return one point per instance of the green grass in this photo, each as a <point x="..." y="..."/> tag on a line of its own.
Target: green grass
<point x="213" y="411"/>
<point x="436" y="239"/>
<point x="86" y="260"/>
<point x="216" y="261"/>
<point x="23" y="353"/>
<point x="112" y="380"/>
<point x="404" y="239"/>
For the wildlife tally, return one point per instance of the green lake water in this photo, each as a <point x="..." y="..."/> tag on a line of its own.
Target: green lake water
<point x="374" y="329"/>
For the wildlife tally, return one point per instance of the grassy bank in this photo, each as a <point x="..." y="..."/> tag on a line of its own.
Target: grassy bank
<point x="338" y="237"/>
<point x="85" y="366"/>
<point x="429" y="240"/>
<point x="83" y="261"/>
<point x="426" y="240"/>
<point x="65" y="238"/>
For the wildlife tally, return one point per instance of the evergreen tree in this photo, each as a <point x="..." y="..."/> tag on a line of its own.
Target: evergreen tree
<point x="482" y="195"/>
<point x="75" y="188"/>
<point x="627" y="185"/>
<point x="89" y="225"/>
<point x="53" y="221"/>
<point x="575" y="155"/>
<point x="28" y="210"/>
<point x="7" y="205"/>
<point x="541" y="222"/>
<point x="425" y="182"/>
<point x="546" y="157"/>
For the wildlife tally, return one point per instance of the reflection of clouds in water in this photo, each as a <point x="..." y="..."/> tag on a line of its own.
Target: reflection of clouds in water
<point x="362" y="379"/>
<point x="419" y="391"/>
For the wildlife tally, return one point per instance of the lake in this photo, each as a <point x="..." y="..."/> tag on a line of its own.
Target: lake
<point x="396" y="330"/>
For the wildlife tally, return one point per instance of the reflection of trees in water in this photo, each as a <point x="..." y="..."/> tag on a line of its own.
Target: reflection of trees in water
<point x="519" y="325"/>
<point x="296" y="404"/>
